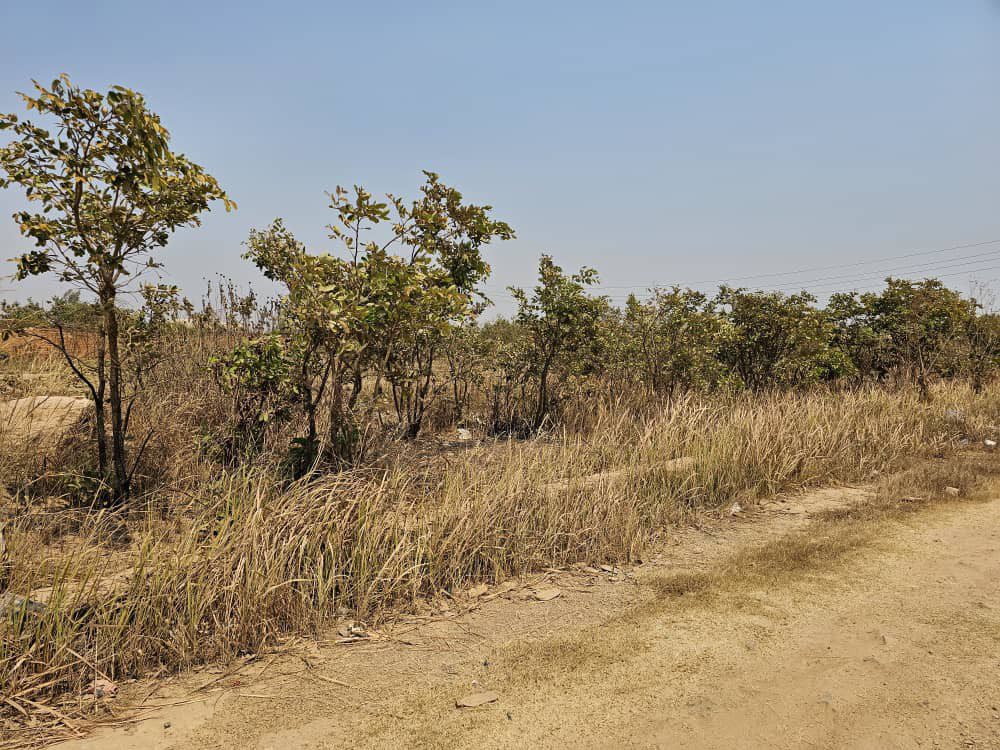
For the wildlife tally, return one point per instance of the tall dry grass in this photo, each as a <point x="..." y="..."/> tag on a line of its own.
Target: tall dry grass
<point x="176" y="409"/>
<point x="252" y="559"/>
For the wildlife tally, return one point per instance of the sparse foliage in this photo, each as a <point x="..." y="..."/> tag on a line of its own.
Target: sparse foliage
<point x="374" y="312"/>
<point x="673" y="340"/>
<point x="109" y="191"/>
<point x="559" y="319"/>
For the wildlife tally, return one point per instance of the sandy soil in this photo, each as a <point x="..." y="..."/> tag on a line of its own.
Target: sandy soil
<point x="896" y="644"/>
<point x="42" y="420"/>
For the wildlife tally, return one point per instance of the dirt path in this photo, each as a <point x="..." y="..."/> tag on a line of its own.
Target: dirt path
<point x="904" y="655"/>
<point x="879" y="637"/>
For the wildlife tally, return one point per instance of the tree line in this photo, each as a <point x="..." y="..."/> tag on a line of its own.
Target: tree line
<point x="389" y="328"/>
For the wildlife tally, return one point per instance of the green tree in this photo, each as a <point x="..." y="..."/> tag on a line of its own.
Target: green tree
<point x="560" y="319"/>
<point x="856" y="334"/>
<point x="920" y="326"/>
<point x="466" y="350"/>
<point x="673" y="339"/>
<point x="983" y="337"/>
<point x="256" y="376"/>
<point x="321" y="319"/>
<point x="436" y="289"/>
<point x="378" y="308"/>
<point x="507" y="349"/>
<point x="109" y="192"/>
<point x="772" y="339"/>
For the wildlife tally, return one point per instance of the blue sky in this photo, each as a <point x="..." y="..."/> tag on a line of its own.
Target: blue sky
<point x="659" y="142"/>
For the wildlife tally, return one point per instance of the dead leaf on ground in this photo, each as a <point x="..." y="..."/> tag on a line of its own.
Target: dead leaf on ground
<point x="351" y="629"/>
<point x="545" y="595"/>
<point x="477" y="699"/>
<point x="477" y="591"/>
<point x="105" y="689"/>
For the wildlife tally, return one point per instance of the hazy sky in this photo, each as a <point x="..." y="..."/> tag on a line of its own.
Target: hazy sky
<point x="659" y="142"/>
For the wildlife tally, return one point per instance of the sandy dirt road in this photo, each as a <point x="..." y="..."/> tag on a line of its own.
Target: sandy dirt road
<point x="888" y="639"/>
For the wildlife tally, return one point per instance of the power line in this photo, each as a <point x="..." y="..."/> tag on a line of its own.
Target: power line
<point x="831" y="287"/>
<point x="715" y="282"/>
<point x="862" y="262"/>
<point x="875" y="282"/>
<point x="919" y="269"/>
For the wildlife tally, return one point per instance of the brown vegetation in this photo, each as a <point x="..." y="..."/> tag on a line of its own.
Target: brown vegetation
<point x="220" y="565"/>
<point x="363" y="442"/>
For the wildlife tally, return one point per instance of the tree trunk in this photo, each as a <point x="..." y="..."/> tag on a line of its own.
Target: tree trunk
<point x="543" y="396"/>
<point x="924" y="386"/>
<point x="458" y="393"/>
<point x="309" y="400"/>
<point x="100" y="429"/>
<point x="356" y="386"/>
<point x="422" y="386"/>
<point x="925" y="391"/>
<point x="119" y="476"/>
<point x="340" y="440"/>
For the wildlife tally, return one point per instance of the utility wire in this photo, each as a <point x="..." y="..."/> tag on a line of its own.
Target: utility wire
<point x="824" y="287"/>
<point x="919" y="269"/>
<point x="830" y="288"/>
<point x="715" y="282"/>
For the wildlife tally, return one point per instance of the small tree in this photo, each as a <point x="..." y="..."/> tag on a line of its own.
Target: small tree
<point x="324" y="322"/>
<point x="256" y="376"/>
<point x="466" y="350"/>
<point x="921" y="326"/>
<point x="982" y="338"/>
<point x="673" y="338"/>
<point x="110" y="192"/>
<point x="508" y="350"/>
<point x="380" y="308"/>
<point x="772" y="339"/>
<point x="444" y="238"/>
<point x="855" y="334"/>
<point x="983" y="334"/>
<point x="560" y="318"/>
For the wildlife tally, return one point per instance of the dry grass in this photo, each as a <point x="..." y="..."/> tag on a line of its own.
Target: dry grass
<point x="733" y="587"/>
<point x="30" y="367"/>
<point x="250" y="560"/>
<point x="176" y="421"/>
<point x="736" y="592"/>
<point x="835" y="534"/>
